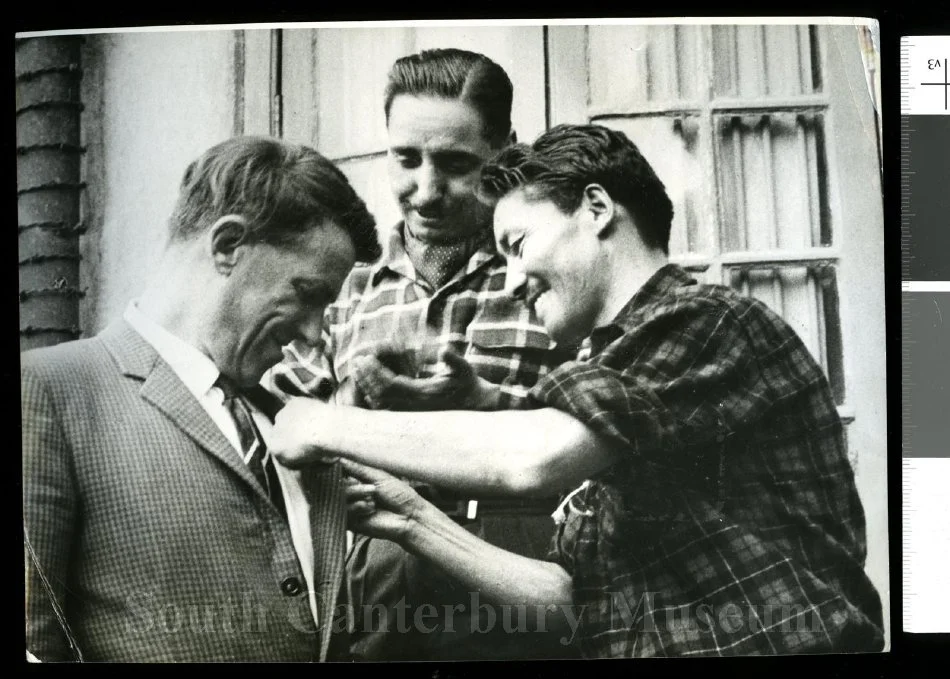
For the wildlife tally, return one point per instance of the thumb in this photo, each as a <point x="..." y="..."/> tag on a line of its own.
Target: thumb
<point x="455" y="362"/>
<point x="372" y="377"/>
<point x="363" y="472"/>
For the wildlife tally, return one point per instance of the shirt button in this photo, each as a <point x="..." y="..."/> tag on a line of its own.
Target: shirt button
<point x="291" y="587"/>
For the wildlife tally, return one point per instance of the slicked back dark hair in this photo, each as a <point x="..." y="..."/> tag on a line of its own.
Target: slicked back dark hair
<point x="456" y="74"/>
<point x="566" y="159"/>
<point x="281" y="189"/>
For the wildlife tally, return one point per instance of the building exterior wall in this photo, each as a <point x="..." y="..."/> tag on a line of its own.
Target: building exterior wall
<point x="153" y="102"/>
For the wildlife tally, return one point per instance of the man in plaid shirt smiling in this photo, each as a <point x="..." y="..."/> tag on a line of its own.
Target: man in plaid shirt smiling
<point x="434" y="309"/>
<point x="718" y="513"/>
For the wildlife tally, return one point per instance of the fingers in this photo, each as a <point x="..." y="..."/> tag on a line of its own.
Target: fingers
<point x="363" y="473"/>
<point x="401" y="359"/>
<point x="427" y="353"/>
<point x="361" y="508"/>
<point x="384" y="389"/>
<point x="373" y="379"/>
<point x="455" y="361"/>
<point x="357" y="490"/>
<point x="380" y="524"/>
<point x="387" y="346"/>
<point x="360" y="497"/>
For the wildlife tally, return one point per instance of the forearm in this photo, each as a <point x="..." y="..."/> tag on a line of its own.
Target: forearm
<point x="501" y="577"/>
<point x="512" y="452"/>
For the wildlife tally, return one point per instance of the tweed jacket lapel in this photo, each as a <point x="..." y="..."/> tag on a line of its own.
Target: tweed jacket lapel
<point x="322" y="486"/>
<point x="161" y="387"/>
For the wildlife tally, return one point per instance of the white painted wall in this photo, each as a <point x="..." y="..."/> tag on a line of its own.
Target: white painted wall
<point x="154" y="102"/>
<point x="854" y="161"/>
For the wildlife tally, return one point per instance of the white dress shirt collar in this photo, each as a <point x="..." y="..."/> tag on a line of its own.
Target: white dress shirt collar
<point x="196" y="371"/>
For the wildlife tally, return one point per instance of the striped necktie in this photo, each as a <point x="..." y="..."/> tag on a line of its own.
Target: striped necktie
<point x="253" y="449"/>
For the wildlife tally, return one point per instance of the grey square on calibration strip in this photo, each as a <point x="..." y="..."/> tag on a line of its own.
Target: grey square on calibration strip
<point x="926" y="387"/>
<point x="929" y="161"/>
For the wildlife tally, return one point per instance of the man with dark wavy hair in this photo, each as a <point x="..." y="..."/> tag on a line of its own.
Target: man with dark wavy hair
<point x="430" y="328"/>
<point x="715" y="510"/>
<point x="157" y="526"/>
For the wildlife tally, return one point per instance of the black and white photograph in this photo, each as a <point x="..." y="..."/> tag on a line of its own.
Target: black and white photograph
<point x="453" y="340"/>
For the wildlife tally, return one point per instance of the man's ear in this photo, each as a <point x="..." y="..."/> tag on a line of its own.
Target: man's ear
<point x="227" y="236"/>
<point x="599" y="208"/>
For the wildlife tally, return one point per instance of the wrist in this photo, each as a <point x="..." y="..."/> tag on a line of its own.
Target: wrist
<point x="323" y="429"/>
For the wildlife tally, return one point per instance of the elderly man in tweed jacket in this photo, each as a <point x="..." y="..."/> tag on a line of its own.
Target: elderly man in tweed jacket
<point x="156" y="525"/>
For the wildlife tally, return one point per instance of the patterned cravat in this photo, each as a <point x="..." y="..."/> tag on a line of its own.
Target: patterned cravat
<point x="437" y="264"/>
<point x="253" y="448"/>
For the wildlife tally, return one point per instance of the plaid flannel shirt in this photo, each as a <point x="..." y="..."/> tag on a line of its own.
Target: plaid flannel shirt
<point x="499" y="336"/>
<point x="732" y="524"/>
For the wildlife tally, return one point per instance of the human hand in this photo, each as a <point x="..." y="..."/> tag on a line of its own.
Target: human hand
<point x="406" y="359"/>
<point x="379" y="504"/>
<point x="348" y="394"/>
<point x="360" y="501"/>
<point x="453" y="386"/>
<point x="299" y="433"/>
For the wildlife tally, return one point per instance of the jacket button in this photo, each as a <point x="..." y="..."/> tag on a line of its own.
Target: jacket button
<point x="291" y="587"/>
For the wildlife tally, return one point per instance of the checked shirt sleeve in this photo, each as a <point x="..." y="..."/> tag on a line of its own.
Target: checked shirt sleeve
<point x="683" y="378"/>
<point x="508" y="346"/>
<point x="305" y="371"/>
<point x="527" y="366"/>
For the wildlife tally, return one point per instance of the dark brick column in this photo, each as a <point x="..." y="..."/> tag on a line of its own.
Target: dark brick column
<point x="48" y="110"/>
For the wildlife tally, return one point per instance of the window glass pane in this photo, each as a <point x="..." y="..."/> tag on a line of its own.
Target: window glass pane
<point x="784" y="58"/>
<point x="633" y="65"/>
<point x="671" y="146"/>
<point x="806" y="296"/>
<point x="370" y="179"/>
<point x="618" y="65"/>
<point x="351" y="69"/>
<point x="772" y="181"/>
<point x="756" y="61"/>
<point x="725" y="64"/>
<point x="751" y="64"/>
<point x="690" y="58"/>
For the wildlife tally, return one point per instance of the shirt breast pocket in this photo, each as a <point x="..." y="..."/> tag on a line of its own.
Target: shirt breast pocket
<point x="507" y="345"/>
<point x="507" y="336"/>
<point x="502" y="322"/>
